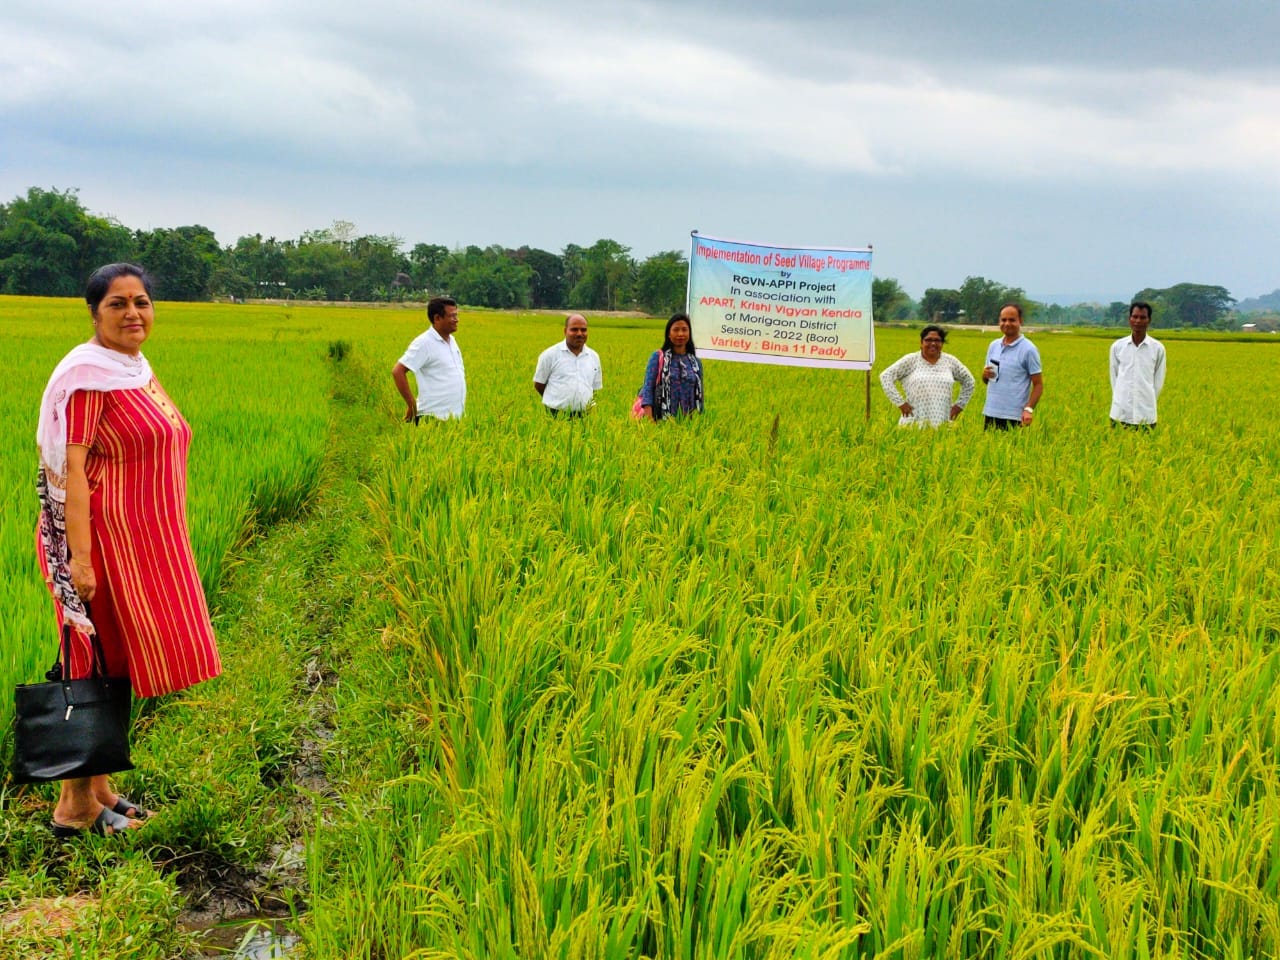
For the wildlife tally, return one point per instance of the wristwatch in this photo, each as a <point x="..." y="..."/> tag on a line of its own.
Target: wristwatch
<point x="1028" y="409"/>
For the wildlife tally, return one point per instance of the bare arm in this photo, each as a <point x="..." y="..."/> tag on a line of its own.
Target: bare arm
<point x="400" y="374"/>
<point x="1037" y="389"/>
<point x="542" y="372"/>
<point x="79" y="531"/>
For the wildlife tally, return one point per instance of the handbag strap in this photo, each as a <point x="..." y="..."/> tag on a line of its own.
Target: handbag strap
<point x="99" y="656"/>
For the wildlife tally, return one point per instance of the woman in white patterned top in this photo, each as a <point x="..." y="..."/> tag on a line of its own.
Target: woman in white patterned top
<point x="927" y="378"/>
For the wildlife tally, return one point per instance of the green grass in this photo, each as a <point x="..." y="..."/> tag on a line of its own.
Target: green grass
<point x="775" y="682"/>
<point x="825" y="688"/>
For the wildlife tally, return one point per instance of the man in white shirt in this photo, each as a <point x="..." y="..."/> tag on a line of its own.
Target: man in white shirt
<point x="568" y="374"/>
<point x="1137" y="372"/>
<point x="436" y="364"/>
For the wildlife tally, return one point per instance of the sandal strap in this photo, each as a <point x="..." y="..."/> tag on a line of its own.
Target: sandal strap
<point x="123" y="805"/>
<point x="108" y="821"/>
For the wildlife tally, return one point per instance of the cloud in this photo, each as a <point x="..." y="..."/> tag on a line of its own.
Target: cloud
<point x="553" y="121"/>
<point x="900" y="116"/>
<point x="1201" y="36"/>
<point x="388" y="86"/>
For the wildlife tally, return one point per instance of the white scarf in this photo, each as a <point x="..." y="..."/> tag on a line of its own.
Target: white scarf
<point x="87" y="367"/>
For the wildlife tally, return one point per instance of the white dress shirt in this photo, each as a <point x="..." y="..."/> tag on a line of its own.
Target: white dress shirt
<point x="571" y="378"/>
<point x="436" y="364"/>
<point x="1137" y="376"/>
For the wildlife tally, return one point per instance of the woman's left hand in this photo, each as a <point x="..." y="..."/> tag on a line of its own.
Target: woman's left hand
<point x="956" y="410"/>
<point x="83" y="579"/>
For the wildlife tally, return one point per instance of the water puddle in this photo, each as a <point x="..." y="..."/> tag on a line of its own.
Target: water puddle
<point x="259" y="939"/>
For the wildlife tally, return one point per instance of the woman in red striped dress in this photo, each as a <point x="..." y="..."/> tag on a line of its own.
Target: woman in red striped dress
<point x="113" y="523"/>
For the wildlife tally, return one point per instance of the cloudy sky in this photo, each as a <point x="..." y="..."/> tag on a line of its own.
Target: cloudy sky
<point x="1078" y="150"/>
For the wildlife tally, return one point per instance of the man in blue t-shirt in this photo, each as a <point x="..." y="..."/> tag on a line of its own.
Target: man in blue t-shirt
<point x="1012" y="375"/>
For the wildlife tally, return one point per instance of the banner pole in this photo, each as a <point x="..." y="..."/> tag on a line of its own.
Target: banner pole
<point x="867" y="384"/>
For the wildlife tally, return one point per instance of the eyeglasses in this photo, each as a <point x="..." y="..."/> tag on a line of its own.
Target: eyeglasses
<point x="931" y="340"/>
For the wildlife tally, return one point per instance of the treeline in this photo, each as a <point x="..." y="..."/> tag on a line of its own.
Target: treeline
<point x="49" y="244"/>
<point x="1183" y="305"/>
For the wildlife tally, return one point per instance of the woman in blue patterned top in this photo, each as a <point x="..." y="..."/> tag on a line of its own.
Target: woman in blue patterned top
<point x="673" y="378"/>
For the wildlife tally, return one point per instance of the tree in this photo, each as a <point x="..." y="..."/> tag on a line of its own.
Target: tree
<point x="1056" y="314"/>
<point x="607" y="277"/>
<point x="940" y="305"/>
<point x="262" y="264"/>
<point x="229" y="282"/>
<point x="486" y="277"/>
<point x="1188" y="305"/>
<point x="424" y="265"/>
<point x="1117" y="313"/>
<point x="181" y="261"/>
<point x="335" y="264"/>
<point x="888" y="300"/>
<point x="319" y="269"/>
<point x="1076" y="314"/>
<point x="1087" y="314"/>
<point x="981" y="299"/>
<point x="376" y="262"/>
<point x="546" y="277"/>
<point x="49" y="244"/>
<point x="574" y="262"/>
<point x="340" y="232"/>
<point x="662" y="283"/>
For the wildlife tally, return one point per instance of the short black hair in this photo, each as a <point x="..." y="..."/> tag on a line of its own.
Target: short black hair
<point x="666" y="334"/>
<point x="1011" y="303"/>
<point x="1142" y="305"/>
<point x="934" y="328"/>
<point x="101" y="279"/>
<point x="436" y="305"/>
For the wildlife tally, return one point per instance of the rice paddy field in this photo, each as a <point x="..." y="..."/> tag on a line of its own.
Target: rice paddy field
<point x="779" y="681"/>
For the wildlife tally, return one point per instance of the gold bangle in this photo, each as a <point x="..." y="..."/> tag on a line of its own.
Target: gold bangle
<point x="83" y="563"/>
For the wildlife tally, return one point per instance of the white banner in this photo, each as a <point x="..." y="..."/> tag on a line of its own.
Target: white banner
<point x="802" y="307"/>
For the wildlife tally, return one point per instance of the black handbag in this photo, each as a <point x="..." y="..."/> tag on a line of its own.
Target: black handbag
<point x="64" y="729"/>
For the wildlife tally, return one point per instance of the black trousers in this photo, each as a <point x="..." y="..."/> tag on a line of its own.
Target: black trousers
<point x="996" y="423"/>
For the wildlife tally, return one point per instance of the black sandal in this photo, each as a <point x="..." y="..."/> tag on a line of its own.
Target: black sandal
<point x="106" y="824"/>
<point x="124" y="806"/>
